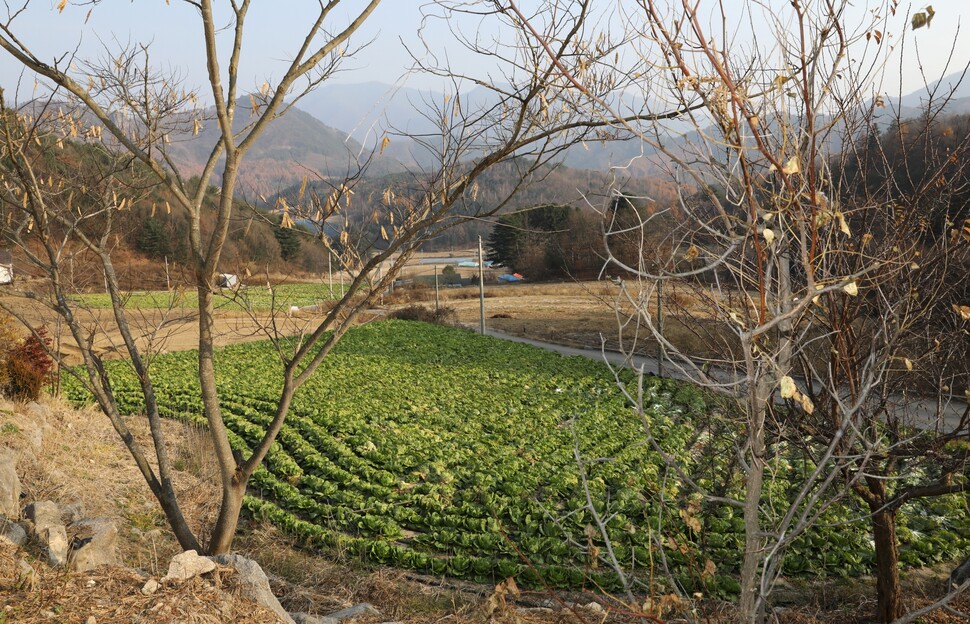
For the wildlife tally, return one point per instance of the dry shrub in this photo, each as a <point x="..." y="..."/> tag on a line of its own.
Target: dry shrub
<point x="414" y="312"/>
<point x="29" y="365"/>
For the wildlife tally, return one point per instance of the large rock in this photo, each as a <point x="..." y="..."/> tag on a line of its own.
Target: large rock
<point x="38" y="412"/>
<point x="356" y="611"/>
<point x="55" y="538"/>
<point x="93" y="543"/>
<point x="9" y="484"/>
<point x="44" y="515"/>
<point x="960" y="575"/>
<point x="254" y="584"/>
<point x="306" y="618"/>
<point x="344" y="615"/>
<point x="72" y="512"/>
<point x="188" y="565"/>
<point x="12" y="532"/>
<point x="37" y="426"/>
<point x="45" y="522"/>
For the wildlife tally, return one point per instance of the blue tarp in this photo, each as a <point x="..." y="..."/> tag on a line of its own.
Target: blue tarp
<point x="508" y="277"/>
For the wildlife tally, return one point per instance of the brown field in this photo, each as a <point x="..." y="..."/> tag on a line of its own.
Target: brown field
<point x="579" y="313"/>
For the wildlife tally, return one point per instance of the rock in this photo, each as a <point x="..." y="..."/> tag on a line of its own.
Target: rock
<point x="38" y="411"/>
<point x="35" y="425"/>
<point x="72" y="513"/>
<point x="45" y="518"/>
<point x="57" y="545"/>
<point x="12" y="532"/>
<point x="26" y="576"/>
<point x="93" y="544"/>
<point x="595" y="607"/>
<point x="364" y="608"/>
<point x="44" y="515"/>
<point x="254" y="584"/>
<point x="9" y="484"/>
<point x="306" y="618"/>
<point x="150" y="587"/>
<point x="91" y="620"/>
<point x="188" y="565"/>
<point x="35" y="436"/>
<point x="960" y="575"/>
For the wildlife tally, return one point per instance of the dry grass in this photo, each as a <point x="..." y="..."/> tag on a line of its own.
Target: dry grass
<point x="307" y="582"/>
<point x="112" y="595"/>
<point x="83" y="461"/>
<point x="591" y="314"/>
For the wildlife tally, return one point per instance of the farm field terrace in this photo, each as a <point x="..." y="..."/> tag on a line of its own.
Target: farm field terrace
<point x="257" y="298"/>
<point x="440" y="450"/>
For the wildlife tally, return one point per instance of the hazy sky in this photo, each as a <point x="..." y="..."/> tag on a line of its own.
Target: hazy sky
<point x="173" y="32"/>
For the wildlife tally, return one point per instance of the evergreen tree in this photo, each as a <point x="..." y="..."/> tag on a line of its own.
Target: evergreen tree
<point x="531" y="230"/>
<point x="289" y="240"/>
<point x="154" y="241"/>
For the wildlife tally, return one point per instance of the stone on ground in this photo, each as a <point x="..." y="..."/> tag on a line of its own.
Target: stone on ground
<point x="93" y="543"/>
<point x="55" y="538"/>
<point x="188" y="565"/>
<point x="364" y="608"/>
<point x="44" y="515"/>
<point x="254" y="584"/>
<point x="9" y="484"/>
<point x="12" y="532"/>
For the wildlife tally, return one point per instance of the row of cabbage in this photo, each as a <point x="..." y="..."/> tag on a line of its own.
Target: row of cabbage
<point x="443" y="451"/>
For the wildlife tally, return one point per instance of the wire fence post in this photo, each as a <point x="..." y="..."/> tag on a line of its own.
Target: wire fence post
<point x="481" y="286"/>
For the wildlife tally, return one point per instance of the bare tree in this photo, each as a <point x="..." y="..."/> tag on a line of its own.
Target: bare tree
<point x="530" y="116"/>
<point x="783" y="242"/>
<point x="807" y="281"/>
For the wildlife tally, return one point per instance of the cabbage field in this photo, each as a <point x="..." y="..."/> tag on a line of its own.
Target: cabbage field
<point x="443" y="451"/>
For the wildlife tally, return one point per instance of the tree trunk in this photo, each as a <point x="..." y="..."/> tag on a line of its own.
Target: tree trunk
<point x="752" y="607"/>
<point x="888" y="607"/>
<point x="753" y="545"/>
<point x="225" y="528"/>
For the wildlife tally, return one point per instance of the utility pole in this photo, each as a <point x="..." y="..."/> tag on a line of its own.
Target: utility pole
<point x="436" y="301"/>
<point x="481" y="286"/>
<point x="660" y="329"/>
